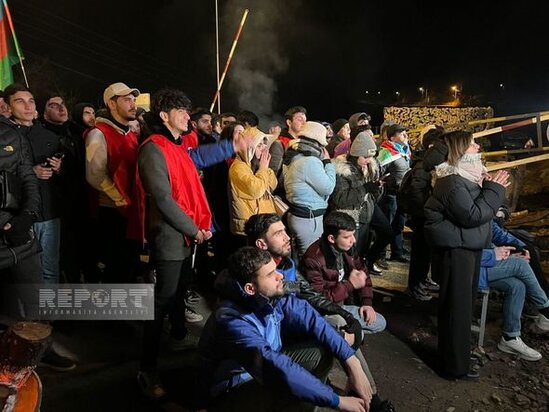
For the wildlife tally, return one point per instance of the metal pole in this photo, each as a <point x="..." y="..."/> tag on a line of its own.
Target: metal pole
<point x="17" y="48"/>
<point x="235" y="42"/>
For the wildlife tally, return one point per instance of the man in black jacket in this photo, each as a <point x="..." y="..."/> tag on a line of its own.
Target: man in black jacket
<point x="266" y="231"/>
<point x="20" y="264"/>
<point x="46" y="158"/>
<point x="75" y="228"/>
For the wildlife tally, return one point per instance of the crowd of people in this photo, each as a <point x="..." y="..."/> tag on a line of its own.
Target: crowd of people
<point x="85" y="195"/>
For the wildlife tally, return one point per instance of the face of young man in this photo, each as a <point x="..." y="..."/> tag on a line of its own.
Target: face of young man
<point x="176" y="120"/>
<point x="344" y="241"/>
<point x="297" y="123"/>
<point x="400" y="138"/>
<point x="55" y="111"/>
<point x="225" y="121"/>
<point x="276" y="241"/>
<point x="204" y="124"/>
<point x="268" y="282"/>
<point x="23" y="107"/>
<point x="88" y="116"/>
<point x="123" y="109"/>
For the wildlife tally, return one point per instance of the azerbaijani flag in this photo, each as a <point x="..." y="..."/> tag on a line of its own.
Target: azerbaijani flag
<point x="8" y="47"/>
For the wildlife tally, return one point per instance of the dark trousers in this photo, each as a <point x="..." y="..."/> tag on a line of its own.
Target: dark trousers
<point x="389" y="205"/>
<point x="172" y="281"/>
<point x="384" y="234"/>
<point x="251" y="396"/>
<point x="420" y="254"/>
<point x="19" y="286"/>
<point x="457" y="271"/>
<point x="119" y="254"/>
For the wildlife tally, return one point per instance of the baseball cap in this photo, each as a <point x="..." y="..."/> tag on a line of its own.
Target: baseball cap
<point x="118" y="89"/>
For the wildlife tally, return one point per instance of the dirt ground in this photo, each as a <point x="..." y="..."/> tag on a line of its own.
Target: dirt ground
<point x="401" y="359"/>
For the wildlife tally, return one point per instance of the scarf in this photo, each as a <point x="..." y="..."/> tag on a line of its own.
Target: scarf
<point x="469" y="167"/>
<point x="304" y="147"/>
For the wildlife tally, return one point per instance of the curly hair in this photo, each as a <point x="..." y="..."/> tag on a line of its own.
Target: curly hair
<point x="165" y="100"/>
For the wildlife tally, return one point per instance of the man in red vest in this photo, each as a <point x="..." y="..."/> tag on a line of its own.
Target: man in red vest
<point x="179" y="215"/>
<point x="111" y="161"/>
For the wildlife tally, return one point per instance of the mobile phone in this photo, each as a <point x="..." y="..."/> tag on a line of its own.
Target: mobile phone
<point x="59" y="155"/>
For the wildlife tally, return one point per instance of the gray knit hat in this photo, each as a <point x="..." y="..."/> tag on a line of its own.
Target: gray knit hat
<point x="364" y="145"/>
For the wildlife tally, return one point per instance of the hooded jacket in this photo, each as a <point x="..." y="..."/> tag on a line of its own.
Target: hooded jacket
<point x="242" y="340"/>
<point x="249" y="191"/>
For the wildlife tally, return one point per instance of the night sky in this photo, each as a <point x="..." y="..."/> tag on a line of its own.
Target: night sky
<point x="320" y="54"/>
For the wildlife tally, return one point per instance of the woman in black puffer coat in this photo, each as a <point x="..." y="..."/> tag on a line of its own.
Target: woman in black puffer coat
<point x="458" y="216"/>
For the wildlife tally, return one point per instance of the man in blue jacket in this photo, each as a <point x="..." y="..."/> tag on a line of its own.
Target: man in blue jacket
<point x="505" y="267"/>
<point x="243" y="346"/>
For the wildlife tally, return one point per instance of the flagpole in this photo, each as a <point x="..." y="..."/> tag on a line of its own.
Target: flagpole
<point x="17" y="49"/>
<point x="235" y="42"/>
<point x="217" y="54"/>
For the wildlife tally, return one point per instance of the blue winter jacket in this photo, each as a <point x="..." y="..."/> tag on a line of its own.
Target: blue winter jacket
<point x="242" y="340"/>
<point x="309" y="182"/>
<point x="500" y="237"/>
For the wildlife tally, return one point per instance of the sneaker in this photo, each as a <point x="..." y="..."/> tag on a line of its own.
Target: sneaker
<point x="375" y="270"/>
<point x="57" y="362"/>
<point x="191" y="316"/>
<point x="542" y="322"/>
<point x="188" y="342"/>
<point x="150" y="385"/>
<point x="192" y="298"/>
<point x="518" y="347"/>
<point x="430" y="285"/>
<point x="418" y="293"/>
<point x="382" y="264"/>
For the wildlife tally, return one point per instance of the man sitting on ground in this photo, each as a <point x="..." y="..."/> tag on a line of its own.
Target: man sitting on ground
<point x="334" y="269"/>
<point x="267" y="232"/>
<point x="244" y="346"/>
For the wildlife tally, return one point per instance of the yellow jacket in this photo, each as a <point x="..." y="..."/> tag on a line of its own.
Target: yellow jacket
<point x="249" y="192"/>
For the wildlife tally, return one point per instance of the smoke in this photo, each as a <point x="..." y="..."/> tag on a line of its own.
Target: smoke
<point x="259" y="56"/>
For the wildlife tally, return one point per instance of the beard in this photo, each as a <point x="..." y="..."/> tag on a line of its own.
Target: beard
<point x="282" y="251"/>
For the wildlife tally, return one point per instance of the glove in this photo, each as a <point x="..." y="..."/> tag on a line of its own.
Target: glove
<point x="354" y="327"/>
<point x="19" y="232"/>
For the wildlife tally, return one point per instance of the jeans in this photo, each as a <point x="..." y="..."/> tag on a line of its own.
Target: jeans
<point x="306" y="231"/>
<point x="378" y="326"/>
<point x="48" y="234"/>
<point x="516" y="279"/>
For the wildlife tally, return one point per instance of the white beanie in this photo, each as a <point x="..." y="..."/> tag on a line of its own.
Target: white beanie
<point x="314" y="131"/>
